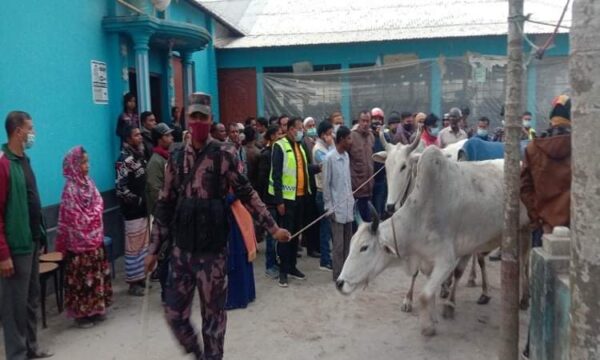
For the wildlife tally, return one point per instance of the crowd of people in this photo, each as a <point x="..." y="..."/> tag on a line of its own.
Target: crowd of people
<point x="197" y="195"/>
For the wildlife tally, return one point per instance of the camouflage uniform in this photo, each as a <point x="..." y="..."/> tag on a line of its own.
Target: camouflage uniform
<point x="205" y="269"/>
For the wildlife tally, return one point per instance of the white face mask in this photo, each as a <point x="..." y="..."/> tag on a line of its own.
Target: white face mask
<point x="527" y="123"/>
<point x="336" y="127"/>
<point x="30" y="141"/>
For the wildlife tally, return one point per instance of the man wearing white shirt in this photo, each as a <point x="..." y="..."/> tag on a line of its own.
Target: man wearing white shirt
<point x="453" y="133"/>
<point x="323" y="146"/>
<point x="337" y="194"/>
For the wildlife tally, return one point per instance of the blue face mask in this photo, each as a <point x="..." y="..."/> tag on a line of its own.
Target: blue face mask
<point x="482" y="132"/>
<point x="312" y="132"/>
<point x="434" y="131"/>
<point x="299" y="135"/>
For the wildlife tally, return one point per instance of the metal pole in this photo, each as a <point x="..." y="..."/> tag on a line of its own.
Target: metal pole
<point x="509" y="324"/>
<point x="584" y="70"/>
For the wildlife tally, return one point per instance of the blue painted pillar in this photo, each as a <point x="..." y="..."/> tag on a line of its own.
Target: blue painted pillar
<point x="260" y="91"/>
<point x="124" y="50"/>
<point x="436" y="89"/>
<point x="532" y="93"/>
<point x="188" y="76"/>
<point x="346" y="95"/>
<point x="140" y="45"/>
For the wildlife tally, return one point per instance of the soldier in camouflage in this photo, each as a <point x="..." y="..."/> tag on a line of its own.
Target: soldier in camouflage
<point x="191" y="212"/>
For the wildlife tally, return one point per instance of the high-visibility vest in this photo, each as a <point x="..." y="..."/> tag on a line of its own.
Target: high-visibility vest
<point x="289" y="174"/>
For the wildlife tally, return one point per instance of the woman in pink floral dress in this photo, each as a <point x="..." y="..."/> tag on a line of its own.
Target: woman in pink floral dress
<point x="80" y="235"/>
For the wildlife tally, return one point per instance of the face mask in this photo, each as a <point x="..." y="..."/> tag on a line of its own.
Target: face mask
<point x="336" y="128"/>
<point x="527" y="123"/>
<point x="242" y="137"/>
<point x="312" y="132"/>
<point x="30" y="141"/>
<point x="200" y="131"/>
<point x="482" y="132"/>
<point x="408" y="127"/>
<point x="503" y="122"/>
<point x="299" y="135"/>
<point x="434" y="131"/>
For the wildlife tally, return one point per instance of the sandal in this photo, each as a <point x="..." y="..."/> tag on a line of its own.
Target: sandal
<point x="136" y="290"/>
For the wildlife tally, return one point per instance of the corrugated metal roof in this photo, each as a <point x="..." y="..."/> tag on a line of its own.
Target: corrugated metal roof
<point x="303" y="22"/>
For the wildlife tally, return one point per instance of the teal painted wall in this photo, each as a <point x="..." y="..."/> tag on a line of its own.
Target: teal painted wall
<point x="205" y="68"/>
<point x="45" y="70"/>
<point x="360" y="53"/>
<point x="183" y="11"/>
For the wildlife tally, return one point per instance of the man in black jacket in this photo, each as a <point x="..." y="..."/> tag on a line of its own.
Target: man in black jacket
<point x="264" y="172"/>
<point x="290" y="184"/>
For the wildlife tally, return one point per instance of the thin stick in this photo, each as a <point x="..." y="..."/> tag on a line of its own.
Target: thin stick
<point x="327" y="213"/>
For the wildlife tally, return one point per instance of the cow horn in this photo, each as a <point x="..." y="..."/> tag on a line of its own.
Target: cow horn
<point x="386" y="145"/>
<point x="357" y="217"/>
<point x="417" y="140"/>
<point x="374" y="217"/>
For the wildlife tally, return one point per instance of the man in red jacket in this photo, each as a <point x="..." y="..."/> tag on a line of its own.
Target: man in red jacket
<point x="20" y="238"/>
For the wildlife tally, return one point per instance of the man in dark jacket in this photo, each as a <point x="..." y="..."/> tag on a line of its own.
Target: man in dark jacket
<point x="252" y="155"/>
<point x="264" y="172"/>
<point x="148" y="123"/>
<point x="405" y="131"/>
<point x="21" y="238"/>
<point x="361" y="163"/>
<point x="130" y="187"/>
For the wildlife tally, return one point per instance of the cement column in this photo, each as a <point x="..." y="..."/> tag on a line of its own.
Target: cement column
<point x="142" y="69"/>
<point x="584" y="70"/>
<point x="435" y="89"/>
<point x="346" y="95"/>
<point x="188" y="76"/>
<point x="532" y="93"/>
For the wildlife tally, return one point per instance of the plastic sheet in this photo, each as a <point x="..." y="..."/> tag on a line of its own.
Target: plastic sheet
<point x="473" y="81"/>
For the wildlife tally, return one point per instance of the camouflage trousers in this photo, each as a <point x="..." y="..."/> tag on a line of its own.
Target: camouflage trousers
<point x="207" y="273"/>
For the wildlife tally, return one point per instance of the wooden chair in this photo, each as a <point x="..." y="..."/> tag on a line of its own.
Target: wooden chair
<point x="58" y="258"/>
<point x="47" y="270"/>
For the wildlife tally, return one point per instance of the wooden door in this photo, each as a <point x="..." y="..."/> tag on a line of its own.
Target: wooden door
<point x="237" y="94"/>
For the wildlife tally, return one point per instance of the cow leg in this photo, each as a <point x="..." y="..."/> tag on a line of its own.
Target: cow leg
<point x="450" y="304"/>
<point x="442" y="268"/>
<point x="408" y="299"/>
<point x="445" y="291"/>
<point x="524" y="251"/>
<point x="473" y="272"/>
<point x="484" y="298"/>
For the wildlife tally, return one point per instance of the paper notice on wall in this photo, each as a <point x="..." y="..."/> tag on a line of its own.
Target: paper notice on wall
<point x="479" y="74"/>
<point x="99" y="82"/>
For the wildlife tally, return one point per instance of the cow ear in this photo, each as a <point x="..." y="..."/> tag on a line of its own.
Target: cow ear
<point x="390" y="250"/>
<point x="380" y="157"/>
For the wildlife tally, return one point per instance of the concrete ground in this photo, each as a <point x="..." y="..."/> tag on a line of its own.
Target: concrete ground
<point x="308" y="320"/>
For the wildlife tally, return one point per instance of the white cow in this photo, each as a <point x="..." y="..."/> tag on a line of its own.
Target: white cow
<point x="400" y="162"/>
<point x="453" y="211"/>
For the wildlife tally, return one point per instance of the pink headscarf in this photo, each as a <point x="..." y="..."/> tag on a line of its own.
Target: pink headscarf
<point x="80" y="225"/>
